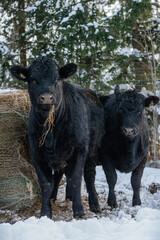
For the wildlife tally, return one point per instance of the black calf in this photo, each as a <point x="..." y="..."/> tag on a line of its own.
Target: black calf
<point x="65" y="126"/>
<point x="125" y="144"/>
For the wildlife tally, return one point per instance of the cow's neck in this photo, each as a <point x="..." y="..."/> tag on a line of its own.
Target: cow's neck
<point x="40" y="115"/>
<point x="132" y="146"/>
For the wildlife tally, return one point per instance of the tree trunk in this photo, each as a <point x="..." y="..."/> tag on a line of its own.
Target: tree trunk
<point x="21" y="32"/>
<point x="142" y="73"/>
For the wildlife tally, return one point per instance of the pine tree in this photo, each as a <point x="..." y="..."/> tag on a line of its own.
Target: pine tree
<point x="13" y="32"/>
<point x="108" y="49"/>
<point x="134" y="28"/>
<point x="40" y="19"/>
<point x="82" y="36"/>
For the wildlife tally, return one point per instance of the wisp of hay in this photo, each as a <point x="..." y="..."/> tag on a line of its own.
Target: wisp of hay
<point x="50" y="123"/>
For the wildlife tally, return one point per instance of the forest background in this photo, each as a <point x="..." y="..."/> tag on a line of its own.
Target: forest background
<point x="112" y="42"/>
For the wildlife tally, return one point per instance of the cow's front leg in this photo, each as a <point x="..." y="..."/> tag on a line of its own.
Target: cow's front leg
<point x="111" y="177"/>
<point x="136" y="182"/>
<point x="44" y="174"/>
<point x="46" y="183"/>
<point x="74" y="179"/>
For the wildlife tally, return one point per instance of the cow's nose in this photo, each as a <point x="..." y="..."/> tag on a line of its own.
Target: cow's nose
<point x="128" y="131"/>
<point x="46" y="98"/>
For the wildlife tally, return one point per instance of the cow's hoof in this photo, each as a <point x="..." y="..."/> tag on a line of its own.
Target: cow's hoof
<point x="47" y="213"/>
<point x="112" y="204"/>
<point x="68" y="197"/>
<point x="54" y="200"/>
<point x="79" y="214"/>
<point x="95" y="208"/>
<point x="136" y="203"/>
<point x="68" y="200"/>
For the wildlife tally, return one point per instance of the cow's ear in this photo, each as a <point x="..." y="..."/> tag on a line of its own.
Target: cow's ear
<point x="67" y="70"/>
<point x="19" y="72"/>
<point x="151" y="101"/>
<point x="117" y="92"/>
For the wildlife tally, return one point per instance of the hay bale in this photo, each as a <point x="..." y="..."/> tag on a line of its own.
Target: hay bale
<point x="18" y="181"/>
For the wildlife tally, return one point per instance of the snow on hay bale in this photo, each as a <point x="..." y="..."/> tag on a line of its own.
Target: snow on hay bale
<point x="18" y="182"/>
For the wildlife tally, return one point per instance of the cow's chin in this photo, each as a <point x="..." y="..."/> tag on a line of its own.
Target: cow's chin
<point x="130" y="137"/>
<point x="46" y="107"/>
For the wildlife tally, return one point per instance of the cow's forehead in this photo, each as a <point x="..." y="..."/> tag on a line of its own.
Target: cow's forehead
<point x="132" y="100"/>
<point x="43" y="65"/>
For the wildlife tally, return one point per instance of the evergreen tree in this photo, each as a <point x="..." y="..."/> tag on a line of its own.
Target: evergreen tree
<point x="83" y="36"/>
<point x="133" y="27"/>
<point x="41" y="28"/>
<point x="109" y="47"/>
<point x="13" y="33"/>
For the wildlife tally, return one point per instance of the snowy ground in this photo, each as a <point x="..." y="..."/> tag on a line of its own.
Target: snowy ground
<point x="123" y="223"/>
<point x="7" y="90"/>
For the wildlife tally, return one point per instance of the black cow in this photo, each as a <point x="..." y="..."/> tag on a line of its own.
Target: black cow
<point x="125" y="144"/>
<point x="63" y="146"/>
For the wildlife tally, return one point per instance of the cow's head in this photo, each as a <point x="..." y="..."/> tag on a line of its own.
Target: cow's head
<point x="130" y="109"/>
<point x="44" y="78"/>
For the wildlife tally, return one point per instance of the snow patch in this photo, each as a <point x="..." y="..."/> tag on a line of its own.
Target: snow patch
<point x="124" y="223"/>
<point x="74" y="12"/>
<point x="145" y="226"/>
<point x="58" y="4"/>
<point x="138" y="1"/>
<point x="129" y="51"/>
<point x="122" y="87"/>
<point x="7" y="90"/>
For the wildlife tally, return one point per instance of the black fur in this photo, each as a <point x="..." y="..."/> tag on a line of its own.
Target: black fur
<point x="76" y="134"/>
<point x="125" y="144"/>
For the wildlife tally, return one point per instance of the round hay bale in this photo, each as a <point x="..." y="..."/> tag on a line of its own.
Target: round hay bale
<point x="18" y="181"/>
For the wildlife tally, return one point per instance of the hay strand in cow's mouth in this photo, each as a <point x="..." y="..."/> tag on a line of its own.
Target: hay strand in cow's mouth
<point x="50" y="123"/>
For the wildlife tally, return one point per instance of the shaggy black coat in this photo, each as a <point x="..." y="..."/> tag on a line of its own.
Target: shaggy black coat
<point x="125" y="144"/>
<point x="76" y="134"/>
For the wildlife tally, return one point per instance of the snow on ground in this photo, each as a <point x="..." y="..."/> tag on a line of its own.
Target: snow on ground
<point x="144" y="226"/>
<point x="7" y="90"/>
<point x="123" y="223"/>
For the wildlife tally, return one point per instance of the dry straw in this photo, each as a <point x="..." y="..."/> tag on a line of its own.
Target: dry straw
<point x="50" y="123"/>
<point x="18" y="180"/>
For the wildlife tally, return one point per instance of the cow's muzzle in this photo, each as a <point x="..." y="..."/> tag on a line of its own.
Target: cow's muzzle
<point x="128" y="132"/>
<point x="46" y="100"/>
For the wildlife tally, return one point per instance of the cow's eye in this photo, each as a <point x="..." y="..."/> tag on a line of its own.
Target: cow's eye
<point x="139" y="112"/>
<point x="121" y="110"/>
<point x="34" y="80"/>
